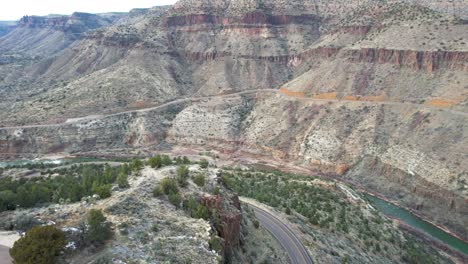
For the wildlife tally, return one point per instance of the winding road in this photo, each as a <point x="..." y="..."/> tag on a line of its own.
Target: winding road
<point x="298" y="254"/>
<point x="197" y="99"/>
<point x="175" y="102"/>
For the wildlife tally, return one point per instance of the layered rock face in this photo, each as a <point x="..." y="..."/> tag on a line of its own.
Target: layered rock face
<point x="34" y="35"/>
<point x="228" y="210"/>
<point x="332" y="86"/>
<point x="76" y="23"/>
<point x="418" y="60"/>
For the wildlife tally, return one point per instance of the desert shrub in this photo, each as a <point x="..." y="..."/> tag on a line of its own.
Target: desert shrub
<point x="200" y="212"/>
<point x="215" y="243"/>
<point x="216" y="190"/>
<point x="25" y="222"/>
<point x="195" y="208"/>
<point x="155" y="162"/>
<point x="204" y="163"/>
<point x="228" y="182"/>
<point x="98" y="228"/>
<point x="169" y="186"/>
<point x="7" y="200"/>
<point x="182" y="175"/>
<point x="256" y="224"/>
<point x="41" y="245"/>
<point x="166" y="160"/>
<point x="104" y="191"/>
<point x="175" y="199"/>
<point x="199" y="180"/>
<point x="158" y="191"/>
<point x="136" y="165"/>
<point x="122" y="180"/>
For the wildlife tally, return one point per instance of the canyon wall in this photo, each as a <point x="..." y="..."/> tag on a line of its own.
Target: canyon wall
<point x="357" y="99"/>
<point x="428" y="61"/>
<point x="415" y="162"/>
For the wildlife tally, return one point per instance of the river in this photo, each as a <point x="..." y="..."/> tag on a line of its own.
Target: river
<point x="405" y="216"/>
<point x="57" y="162"/>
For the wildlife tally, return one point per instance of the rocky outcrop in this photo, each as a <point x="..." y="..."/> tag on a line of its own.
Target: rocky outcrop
<point x="76" y="23"/>
<point x="290" y="59"/>
<point x="116" y="39"/>
<point x="225" y="209"/>
<point x="249" y="19"/>
<point x="428" y="61"/>
<point x="38" y="21"/>
<point x="358" y="30"/>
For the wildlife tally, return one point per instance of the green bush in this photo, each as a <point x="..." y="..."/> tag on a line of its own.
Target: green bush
<point x="122" y="180"/>
<point x="216" y="190"/>
<point x="215" y="243"/>
<point x="196" y="209"/>
<point x="200" y="212"/>
<point x="182" y="175"/>
<point x="155" y="162"/>
<point x="228" y="182"/>
<point x="175" y="199"/>
<point x="158" y="191"/>
<point x="199" y="180"/>
<point x="256" y="224"/>
<point x="40" y="245"/>
<point x="104" y="191"/>
<point x="98" y="228"/>
<point x="136" y="165"/>
<point x="169" y="186"/>
<point x="204" y="163"/>
<point x="166" y="160"/>
<point x="7" y="200"/>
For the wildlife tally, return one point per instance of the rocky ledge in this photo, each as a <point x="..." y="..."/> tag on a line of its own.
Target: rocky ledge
<point x="77" y="22"/>
<point x="428" y="61"/>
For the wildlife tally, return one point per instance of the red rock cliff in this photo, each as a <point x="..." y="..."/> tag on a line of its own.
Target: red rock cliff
<point x="428" y="61"/>
<point x="230" y="217"/>
<point x="253" y="18"/>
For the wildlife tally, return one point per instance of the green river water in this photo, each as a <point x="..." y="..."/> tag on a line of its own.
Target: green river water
<point x="415" y="222"/>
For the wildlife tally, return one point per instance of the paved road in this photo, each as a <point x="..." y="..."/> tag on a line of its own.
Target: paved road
<point x="289" y="241"/>
<point x="5" y="255"/>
